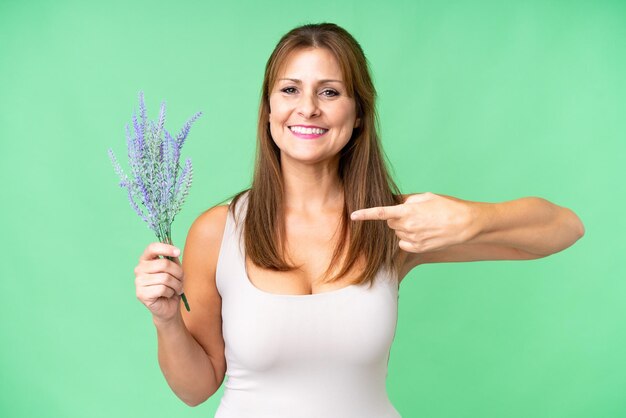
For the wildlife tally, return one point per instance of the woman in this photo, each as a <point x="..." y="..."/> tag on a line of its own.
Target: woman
<point x="294" y="284"/>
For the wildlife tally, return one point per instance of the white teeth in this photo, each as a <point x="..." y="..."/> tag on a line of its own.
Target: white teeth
<point x="309" y="131"/>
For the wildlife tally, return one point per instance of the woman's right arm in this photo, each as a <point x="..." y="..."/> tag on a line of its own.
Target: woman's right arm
<point x="190" y="344"/>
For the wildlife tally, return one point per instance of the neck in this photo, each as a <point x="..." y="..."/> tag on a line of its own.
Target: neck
<point x="312" y="189"/>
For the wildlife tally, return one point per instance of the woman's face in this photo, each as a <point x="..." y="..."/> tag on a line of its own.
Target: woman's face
<point x="311" y="116"/>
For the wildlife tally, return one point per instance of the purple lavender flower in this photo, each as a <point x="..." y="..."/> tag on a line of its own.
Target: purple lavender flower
<point x="156" y="183"/>
<point x="180" y="138"/>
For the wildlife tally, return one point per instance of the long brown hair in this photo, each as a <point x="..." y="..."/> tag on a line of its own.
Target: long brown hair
<point x="362" y="168"/>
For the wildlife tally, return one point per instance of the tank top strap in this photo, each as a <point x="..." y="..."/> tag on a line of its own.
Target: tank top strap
<point x="230" y="257"/>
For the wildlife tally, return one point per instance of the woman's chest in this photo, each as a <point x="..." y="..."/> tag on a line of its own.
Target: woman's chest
<point x="312" y="260"/>
<point x="355" y="324"/>
<point x="308" y="245"/>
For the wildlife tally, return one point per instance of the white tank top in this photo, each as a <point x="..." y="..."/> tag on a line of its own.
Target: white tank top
<point x="303" y="356"/>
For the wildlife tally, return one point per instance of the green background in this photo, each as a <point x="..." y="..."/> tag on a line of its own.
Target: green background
<point x="485" y="101"/>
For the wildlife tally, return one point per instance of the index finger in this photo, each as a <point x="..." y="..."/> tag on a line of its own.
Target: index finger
<point x="377" y="213"/>
<point x="155" y="249"/>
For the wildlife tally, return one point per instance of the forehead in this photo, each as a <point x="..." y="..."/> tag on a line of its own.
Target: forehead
<point x="310" y="63"/>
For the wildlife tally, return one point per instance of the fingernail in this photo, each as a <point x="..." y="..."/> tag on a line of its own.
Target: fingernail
<point x="176" y="252"/>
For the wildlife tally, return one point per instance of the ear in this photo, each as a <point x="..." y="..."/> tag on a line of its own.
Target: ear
<point x="357" y="123"/>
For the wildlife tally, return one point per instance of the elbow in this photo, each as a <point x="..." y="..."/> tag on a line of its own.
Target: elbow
<point x="570" y="220"/>
<point x="571" y="229"/>
<point x="195" y="401"/>
<point x="576" y="228"/>
<point x="579" y="227"/>
<point x="191" y="403"/>
<point x="200" y="392"/>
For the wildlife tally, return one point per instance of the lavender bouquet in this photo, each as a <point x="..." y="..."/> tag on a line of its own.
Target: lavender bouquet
<point x="158" y="182"/>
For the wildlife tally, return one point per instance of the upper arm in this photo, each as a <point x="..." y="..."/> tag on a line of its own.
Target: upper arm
<point x="204" y="321"/>
<point x="463" y="252"/>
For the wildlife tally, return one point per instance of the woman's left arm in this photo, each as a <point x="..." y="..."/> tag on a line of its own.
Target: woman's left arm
<point x="530" y="224"/>
<point x="437" y="228"/>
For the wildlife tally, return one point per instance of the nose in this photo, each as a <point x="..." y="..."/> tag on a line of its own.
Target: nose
<point x="308" y="106"/>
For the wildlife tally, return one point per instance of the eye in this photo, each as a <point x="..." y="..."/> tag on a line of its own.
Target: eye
<point x="333" y="93"/>
<point x="287" y="88"/>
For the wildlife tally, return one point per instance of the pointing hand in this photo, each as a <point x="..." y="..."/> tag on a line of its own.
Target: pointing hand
<point x="425" y="221"/>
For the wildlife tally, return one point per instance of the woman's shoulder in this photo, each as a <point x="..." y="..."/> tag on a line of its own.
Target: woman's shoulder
<point x="213" y="220"/>
<point x="208" y="227"/>
<point x="204" y="241"/>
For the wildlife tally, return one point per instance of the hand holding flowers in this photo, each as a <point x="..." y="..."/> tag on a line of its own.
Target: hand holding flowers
<point x="159" y="184"/>
<point x="159" y="281"/>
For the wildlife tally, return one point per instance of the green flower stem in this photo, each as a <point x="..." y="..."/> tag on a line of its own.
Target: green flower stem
<point x="168" y="240"/>
<point x="182" y="295"/>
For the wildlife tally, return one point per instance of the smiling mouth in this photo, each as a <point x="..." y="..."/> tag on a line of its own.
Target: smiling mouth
<point x="307" y="131"/>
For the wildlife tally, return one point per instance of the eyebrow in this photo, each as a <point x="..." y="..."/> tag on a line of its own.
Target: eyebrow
<point x="295" y="80"/>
